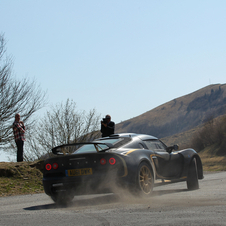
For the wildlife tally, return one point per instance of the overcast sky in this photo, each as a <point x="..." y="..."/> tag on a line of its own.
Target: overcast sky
<point x="122" y="58"/>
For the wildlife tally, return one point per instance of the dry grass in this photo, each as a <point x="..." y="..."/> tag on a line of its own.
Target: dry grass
<point x="213" y="163"/>
<point x="20" y="178"/>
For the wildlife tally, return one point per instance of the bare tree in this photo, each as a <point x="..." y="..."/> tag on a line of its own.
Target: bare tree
<point x="16" y="96"/>
<point x="62" y="125"/>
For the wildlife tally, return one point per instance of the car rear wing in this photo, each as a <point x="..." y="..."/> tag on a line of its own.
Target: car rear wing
<point x="59" y="149"/>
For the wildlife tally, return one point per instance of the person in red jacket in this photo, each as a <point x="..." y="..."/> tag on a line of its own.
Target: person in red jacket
<point x="19" y="136"/>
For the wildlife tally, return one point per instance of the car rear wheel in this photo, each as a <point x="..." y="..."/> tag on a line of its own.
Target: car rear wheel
<point x="62" y="198"/>
<point x="145" y="179"/>
<point x="192" y="178"/>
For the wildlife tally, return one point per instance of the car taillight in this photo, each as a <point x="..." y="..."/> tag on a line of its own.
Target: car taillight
<point x="48" y="166"/>
<point x="103" y="161"/>
<point x="112" y="161"/>
<point x="55" y="165"/>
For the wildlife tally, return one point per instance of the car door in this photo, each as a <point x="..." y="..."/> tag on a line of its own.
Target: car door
<point x="168" y="165"/>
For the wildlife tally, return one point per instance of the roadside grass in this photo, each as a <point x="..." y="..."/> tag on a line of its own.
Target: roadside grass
<point x="19" y="186"/>
<point x="20" y="178"/>
<point x="213" y="163"/>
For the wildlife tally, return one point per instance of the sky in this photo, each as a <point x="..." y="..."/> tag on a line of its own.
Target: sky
<point x="121" y="57"/>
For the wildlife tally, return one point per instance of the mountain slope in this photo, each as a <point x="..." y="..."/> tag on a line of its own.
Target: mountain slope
<point x="180" y="114"/>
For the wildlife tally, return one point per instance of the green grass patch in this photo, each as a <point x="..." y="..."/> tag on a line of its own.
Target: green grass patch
<point x="20" y="178"/>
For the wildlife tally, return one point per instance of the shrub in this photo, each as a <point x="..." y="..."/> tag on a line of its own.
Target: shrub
<point x="212" y="133"/>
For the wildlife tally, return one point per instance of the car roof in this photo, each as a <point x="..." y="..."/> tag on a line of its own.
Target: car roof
<point x="133" y="135"/>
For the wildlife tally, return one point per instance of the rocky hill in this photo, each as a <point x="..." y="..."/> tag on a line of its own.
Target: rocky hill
<point x="181" y="114"/>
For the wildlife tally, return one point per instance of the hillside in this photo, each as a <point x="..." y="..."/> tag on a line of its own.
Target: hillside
<point x="179" y="115"/>
<point x="184" y="139"/>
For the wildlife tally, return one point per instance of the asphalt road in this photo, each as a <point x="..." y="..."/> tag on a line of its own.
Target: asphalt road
<point x="170" y="204"/>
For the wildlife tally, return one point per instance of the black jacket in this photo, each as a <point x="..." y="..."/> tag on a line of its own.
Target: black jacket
<point x="107" y="131"/>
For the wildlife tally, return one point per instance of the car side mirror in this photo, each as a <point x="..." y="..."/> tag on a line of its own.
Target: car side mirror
<point x="175" y="147"/>
<point x="171" y="148"/>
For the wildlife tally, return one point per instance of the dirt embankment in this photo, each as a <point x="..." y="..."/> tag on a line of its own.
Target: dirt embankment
<point x="18" y="178"/>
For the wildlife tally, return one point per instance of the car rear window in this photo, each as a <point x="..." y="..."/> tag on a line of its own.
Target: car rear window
<point x="117" y="142"/>
<point x="91" y="148"/>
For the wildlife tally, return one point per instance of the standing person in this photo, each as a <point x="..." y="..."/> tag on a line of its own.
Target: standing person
<point x="19" y="131"/>
<point x="107" y="126"/>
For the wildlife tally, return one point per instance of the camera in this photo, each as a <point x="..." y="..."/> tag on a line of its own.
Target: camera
<point x="104" y="121"/>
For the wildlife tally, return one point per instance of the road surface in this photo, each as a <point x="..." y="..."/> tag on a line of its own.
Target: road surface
<point x="170" y="204"/>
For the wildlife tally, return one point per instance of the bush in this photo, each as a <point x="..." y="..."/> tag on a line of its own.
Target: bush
<point x="212" y="133"/>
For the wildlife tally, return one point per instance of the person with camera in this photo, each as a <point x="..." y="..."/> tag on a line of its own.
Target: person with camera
<point x="107" y="126"/>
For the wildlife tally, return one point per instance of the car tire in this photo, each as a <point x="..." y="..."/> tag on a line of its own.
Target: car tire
<point x="192" y="177"/>
<point x="62" y="198"/>
<point x="145" y="179"/>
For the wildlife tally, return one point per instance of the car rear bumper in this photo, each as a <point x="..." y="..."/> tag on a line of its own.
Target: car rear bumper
<point x="53" y="186"/>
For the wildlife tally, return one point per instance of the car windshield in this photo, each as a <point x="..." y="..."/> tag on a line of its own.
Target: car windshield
<point x="92" y="148"/>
